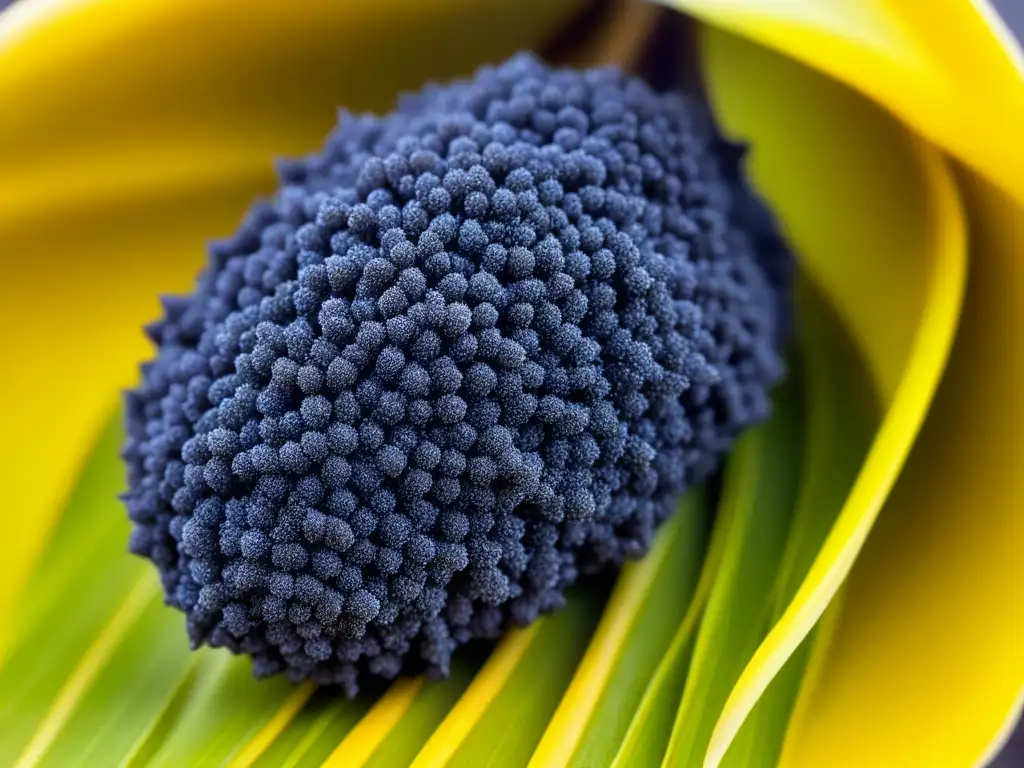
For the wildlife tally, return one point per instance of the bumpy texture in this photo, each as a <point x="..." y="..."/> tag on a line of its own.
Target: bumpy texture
<point x="470" y="352"/>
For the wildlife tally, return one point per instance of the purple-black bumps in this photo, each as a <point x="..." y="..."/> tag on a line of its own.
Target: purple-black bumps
<point x="472" y="351"/>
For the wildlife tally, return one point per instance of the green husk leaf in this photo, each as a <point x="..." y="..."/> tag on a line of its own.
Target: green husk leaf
<point x="841" y="418"/>
<point x="81" y="583"/>
<point x="650" y="600"/>
<point x="127" y="695"/>
<point x="315" y="732"/>
<point x="530" y="694"/>
<point x="225" y="709"/>
<point x="648" y="734"/>
<point x="161" y="724"/>
<point x="432" y="704"/>
<point x="91" y="528"/>
<point x="758" y="498"/>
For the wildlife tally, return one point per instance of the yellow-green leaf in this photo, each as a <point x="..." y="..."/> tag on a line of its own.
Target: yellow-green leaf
<point x="948" y="68"/>
<point x="839" y="423"/>
<point x="758" y="495"/>
<point x="315" y="731"/>
<point x="130" y="691"/>
<point x="502" y="715"/>
<point x="162" y="721"/>
<point x="866" y="205"/>
<point x="925" y="664"/>
<point x="67" y="609"/>
<point x="650" y="600"/>
<point x="401" y="721"/>
<point x="647" y="737"/>
<point x="225" y="712"/>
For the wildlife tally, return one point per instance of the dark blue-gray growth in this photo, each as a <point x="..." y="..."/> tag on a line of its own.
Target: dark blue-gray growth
<point x="471" y="352"/>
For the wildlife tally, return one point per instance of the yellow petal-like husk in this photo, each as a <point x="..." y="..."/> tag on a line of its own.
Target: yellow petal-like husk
<point x="925" y="666"/>
<point x="949" y="68"/>
<point x="874" y="216"/>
